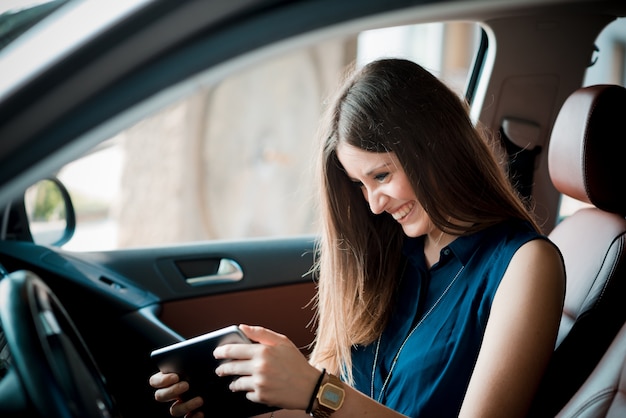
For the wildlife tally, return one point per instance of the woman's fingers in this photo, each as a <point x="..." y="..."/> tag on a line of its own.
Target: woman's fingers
<point x="188" y="408"/>
<point x="273" y="372"/>
<point x="169" y="388"/>
<point x="254" y="392"/>
<point x="171" y="393"/>
<point x="161" y="380"/>
<point x="235" y="351"/>
<point x="263" y="335"/>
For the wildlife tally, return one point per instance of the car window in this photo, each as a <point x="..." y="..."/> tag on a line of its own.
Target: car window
<point x="607" y="66"/>
<point x="19" y="16"/>
<point x="234" y="159"/>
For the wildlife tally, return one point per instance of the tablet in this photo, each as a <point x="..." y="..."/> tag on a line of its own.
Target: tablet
<point x="193" y="361"/>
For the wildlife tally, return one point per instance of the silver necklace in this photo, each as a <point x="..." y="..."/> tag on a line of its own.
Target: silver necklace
<point x="395" y="358"/>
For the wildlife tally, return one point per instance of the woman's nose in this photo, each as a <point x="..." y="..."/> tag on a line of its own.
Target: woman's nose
<point x="376" y="200"/>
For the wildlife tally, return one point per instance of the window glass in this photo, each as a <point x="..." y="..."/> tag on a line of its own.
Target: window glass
<point x="18" y="16"/>
<point x="234" y="160"/>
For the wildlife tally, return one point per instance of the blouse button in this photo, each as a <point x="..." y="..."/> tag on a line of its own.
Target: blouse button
<point x="446" y="251"/>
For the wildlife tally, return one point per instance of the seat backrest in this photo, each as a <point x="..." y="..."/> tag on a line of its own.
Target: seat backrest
<point x="587" y="163"/>
<point x="604" y="393"/>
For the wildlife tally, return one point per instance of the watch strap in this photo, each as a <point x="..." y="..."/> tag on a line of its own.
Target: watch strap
<point x="315" y="391"/>
<point x="319" y="413"/>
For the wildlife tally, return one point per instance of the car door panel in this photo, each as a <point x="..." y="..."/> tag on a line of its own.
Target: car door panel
<point x="284" y="309"/>
<point x="127" y="303"/>
<point x="274" y="291"/>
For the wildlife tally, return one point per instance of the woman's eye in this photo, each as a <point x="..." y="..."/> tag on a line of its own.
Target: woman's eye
<point x="381" y="177"/>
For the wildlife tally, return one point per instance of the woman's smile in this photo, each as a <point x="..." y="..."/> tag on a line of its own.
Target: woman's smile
<point x="401" y="213"/>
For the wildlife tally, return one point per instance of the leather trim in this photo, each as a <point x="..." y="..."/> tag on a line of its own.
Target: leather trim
<point x="587" y="147"/>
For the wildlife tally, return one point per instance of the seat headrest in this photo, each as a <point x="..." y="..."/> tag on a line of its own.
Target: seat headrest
<point x="586" y="157"/>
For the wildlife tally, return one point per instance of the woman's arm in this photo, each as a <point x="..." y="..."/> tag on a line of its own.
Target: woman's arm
<point x="276" y="373"/>
<point x="520" y="335"/>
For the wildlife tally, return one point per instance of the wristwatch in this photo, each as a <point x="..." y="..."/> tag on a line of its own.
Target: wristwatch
<point x="329" y="397"/>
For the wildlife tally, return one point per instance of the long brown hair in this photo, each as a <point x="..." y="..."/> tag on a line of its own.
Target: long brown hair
<point x="394" y="105"/>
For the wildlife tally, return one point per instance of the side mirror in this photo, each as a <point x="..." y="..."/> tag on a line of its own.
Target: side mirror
<point x="50" y="213"/>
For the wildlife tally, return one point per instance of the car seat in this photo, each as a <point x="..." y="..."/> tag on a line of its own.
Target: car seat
<point x="604" y="393"/>
<point x="586" y="162"/>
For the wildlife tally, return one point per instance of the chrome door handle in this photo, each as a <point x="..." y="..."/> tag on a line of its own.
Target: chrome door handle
<point x="228" y="271"/>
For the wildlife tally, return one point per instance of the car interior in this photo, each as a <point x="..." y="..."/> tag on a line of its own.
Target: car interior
<point x="207" y="113"/>
<point x="583" y="161"/>
<point x="602" y="394"/>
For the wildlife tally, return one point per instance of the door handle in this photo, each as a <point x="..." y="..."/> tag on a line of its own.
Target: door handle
<point x="228" y="271"/>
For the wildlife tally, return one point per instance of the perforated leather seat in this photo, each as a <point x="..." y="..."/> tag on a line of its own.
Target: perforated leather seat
<point x="587" y="163"/>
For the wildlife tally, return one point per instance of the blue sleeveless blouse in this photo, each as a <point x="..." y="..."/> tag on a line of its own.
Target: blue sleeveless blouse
<point x="436" y="357"/>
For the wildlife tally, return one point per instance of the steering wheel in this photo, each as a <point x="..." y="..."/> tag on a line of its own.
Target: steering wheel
<point x="50" y="369"/>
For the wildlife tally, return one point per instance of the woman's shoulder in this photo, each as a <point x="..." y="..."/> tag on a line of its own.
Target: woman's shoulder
<point x="513" y="234"/>
<point x="539" y="250"/>
<point x="492" y="250"/>
<point x="532" y="243"/>
<point x="506" y="236"/>
<point x="537" y="265"/>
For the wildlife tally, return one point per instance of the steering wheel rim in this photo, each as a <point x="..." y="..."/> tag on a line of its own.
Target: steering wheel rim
<point x="53" y="365"/>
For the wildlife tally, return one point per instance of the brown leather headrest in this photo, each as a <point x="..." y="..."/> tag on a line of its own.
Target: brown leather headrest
<point x="586" y="158"/>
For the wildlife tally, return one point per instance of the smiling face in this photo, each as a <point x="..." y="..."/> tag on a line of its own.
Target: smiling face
<point x="386" y="187"/>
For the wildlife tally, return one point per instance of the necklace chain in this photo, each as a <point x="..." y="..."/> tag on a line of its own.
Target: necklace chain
<point x="406" y="339"/>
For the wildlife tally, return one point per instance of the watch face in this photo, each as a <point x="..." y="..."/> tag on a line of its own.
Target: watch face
<point x="332" y="396"/>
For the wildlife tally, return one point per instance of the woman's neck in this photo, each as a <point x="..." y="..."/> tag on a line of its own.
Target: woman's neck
<point x="433" y="244"/>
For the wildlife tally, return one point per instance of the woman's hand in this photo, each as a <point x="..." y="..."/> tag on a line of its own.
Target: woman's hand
<point x="273" y="372"/>
<point x="169" y="388"/>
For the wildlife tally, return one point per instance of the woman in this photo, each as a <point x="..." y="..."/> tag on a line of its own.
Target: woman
<point x="437" y="294"/>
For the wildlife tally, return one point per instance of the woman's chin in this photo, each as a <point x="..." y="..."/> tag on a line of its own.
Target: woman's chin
<point x="412" y="231"/>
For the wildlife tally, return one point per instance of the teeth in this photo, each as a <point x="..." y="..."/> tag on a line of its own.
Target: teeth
<point x="403" y="211"/>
